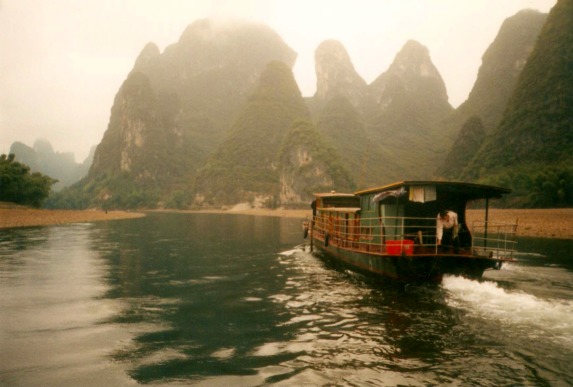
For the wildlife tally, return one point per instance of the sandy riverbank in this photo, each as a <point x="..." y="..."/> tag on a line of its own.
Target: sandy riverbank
<point x="546" y="223"/>
<point x="25" y="217"/>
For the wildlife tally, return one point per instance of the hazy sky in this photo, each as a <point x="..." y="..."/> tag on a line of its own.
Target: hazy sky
<point x="63" y="61"/>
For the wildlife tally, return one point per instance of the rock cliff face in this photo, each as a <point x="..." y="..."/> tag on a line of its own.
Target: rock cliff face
<point x="138" y="136"/>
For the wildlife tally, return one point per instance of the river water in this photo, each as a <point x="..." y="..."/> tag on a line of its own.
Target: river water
<point x="230" y="300"/>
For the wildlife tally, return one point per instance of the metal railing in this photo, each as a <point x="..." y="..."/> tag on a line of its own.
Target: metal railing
<point x="494" y="237"/>
<point x="379" y="234"/>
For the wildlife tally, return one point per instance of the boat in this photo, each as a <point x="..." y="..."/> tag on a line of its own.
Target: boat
<point x="390" y="231"/>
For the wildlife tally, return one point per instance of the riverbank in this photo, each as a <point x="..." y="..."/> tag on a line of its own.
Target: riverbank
<point x="544" y="223"/>
<point x="26" y="217"/>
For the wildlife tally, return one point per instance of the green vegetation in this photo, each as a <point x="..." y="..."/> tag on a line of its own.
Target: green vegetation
<point x="342" y="127"/>
<point x="19" y="186"/>
<point x="541" y="187"/>
<point x="246" y="161"/>
<point x="107" y="192"/>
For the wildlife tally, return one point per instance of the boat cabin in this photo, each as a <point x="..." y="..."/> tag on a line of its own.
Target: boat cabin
<point x="410" y="209"/>
<point x="405" y="214"/>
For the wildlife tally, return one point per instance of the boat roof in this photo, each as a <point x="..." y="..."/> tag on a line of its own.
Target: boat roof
<point x="469" y="190"/>
<point x="334" y="195"/>
<point x="340" y="209"/>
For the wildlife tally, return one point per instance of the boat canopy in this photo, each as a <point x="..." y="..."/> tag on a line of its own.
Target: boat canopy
<point x="468" y="191"/>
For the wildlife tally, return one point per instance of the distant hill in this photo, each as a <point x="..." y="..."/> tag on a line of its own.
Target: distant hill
<point x="346" y="130"/>
<point x="42" y="157"/>
<point x="530" y="150"/>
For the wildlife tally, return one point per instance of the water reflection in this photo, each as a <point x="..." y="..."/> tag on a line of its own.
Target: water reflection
<point x="226" y="300"/>
<point x="52" y="310"/>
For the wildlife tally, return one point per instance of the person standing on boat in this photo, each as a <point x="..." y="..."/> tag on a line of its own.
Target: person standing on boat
<point x="447" y="229"/>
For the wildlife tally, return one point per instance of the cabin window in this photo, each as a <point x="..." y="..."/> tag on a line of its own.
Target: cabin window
<point x="422" y="193"/>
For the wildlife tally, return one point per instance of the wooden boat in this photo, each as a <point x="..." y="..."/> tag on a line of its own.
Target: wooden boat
<point x="391" y="231"/>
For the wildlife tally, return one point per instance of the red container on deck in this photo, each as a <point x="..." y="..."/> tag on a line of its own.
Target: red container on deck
<point x="398" y="247"/>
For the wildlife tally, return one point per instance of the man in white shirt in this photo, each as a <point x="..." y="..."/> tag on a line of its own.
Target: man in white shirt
<point x="447" y="228"/>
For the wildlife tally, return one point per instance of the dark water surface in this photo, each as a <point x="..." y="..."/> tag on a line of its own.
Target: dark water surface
<point x="229" y="300"/>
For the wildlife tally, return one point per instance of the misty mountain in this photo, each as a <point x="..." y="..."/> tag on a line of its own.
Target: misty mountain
<point x="336" y="76"/>
<point x="410" y="103"/>
<point x="204" y="79"/>
<point x="175" y="107"/>
<point x="218" y="119"/>
<point x="57" y="165"/>
<point x="530" y="150"/>
<point x="377" y="128"/>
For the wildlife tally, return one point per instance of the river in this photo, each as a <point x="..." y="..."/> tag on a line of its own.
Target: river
<point x="232" y="300"/>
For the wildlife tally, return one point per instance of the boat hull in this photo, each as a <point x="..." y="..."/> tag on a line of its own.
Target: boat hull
<point x="409" y="268"/>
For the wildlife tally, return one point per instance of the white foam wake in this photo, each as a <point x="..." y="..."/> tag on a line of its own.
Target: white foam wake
<point x="550" y="317"/>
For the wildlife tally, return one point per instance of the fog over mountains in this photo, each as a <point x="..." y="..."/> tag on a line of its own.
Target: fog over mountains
<point x="218" y="119"/>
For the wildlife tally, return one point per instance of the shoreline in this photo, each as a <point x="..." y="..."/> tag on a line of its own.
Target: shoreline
<point x="542" y="223"/>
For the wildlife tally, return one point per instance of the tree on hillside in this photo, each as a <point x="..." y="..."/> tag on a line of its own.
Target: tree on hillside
<point x="19" y="186"/>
